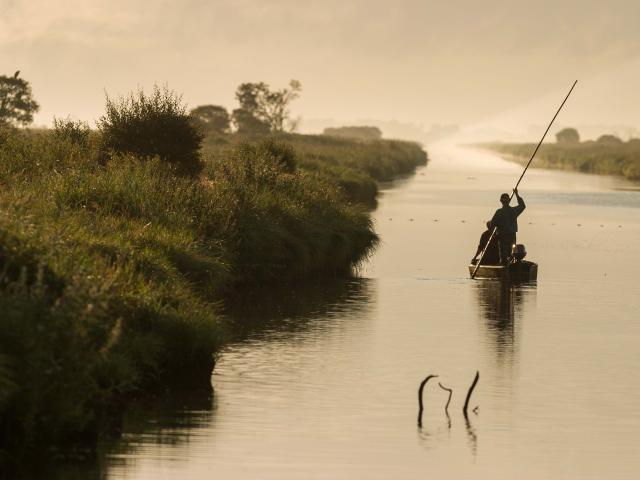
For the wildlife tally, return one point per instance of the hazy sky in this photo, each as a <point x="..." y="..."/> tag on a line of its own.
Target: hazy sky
<point x="419" y="62"/>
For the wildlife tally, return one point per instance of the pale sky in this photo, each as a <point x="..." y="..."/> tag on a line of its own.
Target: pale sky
<point x="467" y="62"/>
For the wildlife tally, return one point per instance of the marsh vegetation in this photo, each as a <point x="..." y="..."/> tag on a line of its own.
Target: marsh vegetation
<point x="119" y="245"/>
<point x="608" y="155"/>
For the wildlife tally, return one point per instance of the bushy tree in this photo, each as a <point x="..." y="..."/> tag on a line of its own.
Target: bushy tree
<point x="245" y="122"/>
<point x="268" y="107"/>
<point x="609" y="140"/>
<point x="568" y="135"/>
<point x="211" y="118"/>
<point x="152" y="125"/>
<point x="17" y="105"/>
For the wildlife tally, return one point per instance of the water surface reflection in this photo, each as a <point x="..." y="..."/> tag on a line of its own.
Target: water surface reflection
<point x="500" y="305"/>
<point x="165" y="435"/>
<point x="285" y="310"/>
<point x="322" y="384"/>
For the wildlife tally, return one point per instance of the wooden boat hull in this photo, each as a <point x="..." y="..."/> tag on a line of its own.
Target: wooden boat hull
<point x="523" y="271"/>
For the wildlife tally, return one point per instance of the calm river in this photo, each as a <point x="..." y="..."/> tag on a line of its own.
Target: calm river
<point x="323" y="384"/>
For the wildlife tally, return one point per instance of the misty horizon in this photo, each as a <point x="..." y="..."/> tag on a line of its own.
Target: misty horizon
<point x="496" y="66"/>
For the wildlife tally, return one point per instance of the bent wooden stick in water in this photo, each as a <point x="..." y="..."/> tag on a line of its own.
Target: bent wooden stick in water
<point x="446" y="407"/>
<point x="471" y="388"/>
<point x="420" y="390"/>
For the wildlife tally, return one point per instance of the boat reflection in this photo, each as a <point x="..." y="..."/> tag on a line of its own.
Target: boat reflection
<point x="501" y="307"/>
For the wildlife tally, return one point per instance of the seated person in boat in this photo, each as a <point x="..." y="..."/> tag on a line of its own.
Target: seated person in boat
<point x="492" y="254"/>
<point x="506" y="221"/>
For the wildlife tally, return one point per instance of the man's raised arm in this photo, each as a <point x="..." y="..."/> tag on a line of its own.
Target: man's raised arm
<point x="521" y="206"/>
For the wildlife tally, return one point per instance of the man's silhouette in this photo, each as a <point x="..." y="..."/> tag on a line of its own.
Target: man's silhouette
<point x="492" y="254"/>
<point x="506" y="221"/>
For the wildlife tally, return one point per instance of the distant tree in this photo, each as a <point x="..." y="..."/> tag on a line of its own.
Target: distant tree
<point x="277" y="103"/>
<point x="17" y="105"/>
<point x="211" y="118"/>
<point x="154" y="125"/>
<point x="360" y="132"/>
<point x="634" y="142"/>
<point x="609" y="140"/>
<point x="568" y="135"/>
<point x="246" y="122"/>
<point x="247" y="95"/>
<point x="270" y="107"/>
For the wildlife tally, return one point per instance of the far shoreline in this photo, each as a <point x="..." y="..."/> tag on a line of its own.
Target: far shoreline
<point x="620" y="161"/>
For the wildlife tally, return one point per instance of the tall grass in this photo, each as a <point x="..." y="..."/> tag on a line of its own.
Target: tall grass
<point x="101" y="294"/>
<point x="356" y="166"/>
<point x="112" y="274"/>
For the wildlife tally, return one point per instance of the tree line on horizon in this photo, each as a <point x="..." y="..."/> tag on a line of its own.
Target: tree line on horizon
<point x="261" y="109"/>
<point x="358" y="132"/>
<point x="157" y="124"/>
<point x="607" y="155"/>
<point x="570" y="136"/>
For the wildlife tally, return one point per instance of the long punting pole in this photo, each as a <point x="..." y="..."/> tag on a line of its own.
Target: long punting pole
<point x="473" y="274"/>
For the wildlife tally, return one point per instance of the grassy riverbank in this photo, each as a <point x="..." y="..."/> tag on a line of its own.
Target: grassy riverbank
<point x="112" y="272"/>
<point x="355" y="166"/>
<point x="588" y="157"/>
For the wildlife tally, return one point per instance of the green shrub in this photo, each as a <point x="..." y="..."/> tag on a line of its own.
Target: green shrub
<point x="153" y="125"/>
<point x="74" y="131"/>
<point x="283" y="154"/>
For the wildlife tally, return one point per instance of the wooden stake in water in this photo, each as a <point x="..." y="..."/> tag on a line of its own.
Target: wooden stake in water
<point x="471" y="388"/>
<point x="493" y="232"/>
<point x="420" y="404"/>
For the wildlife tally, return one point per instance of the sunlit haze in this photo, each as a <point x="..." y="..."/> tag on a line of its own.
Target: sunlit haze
<point x="497" y="69"/>
<point x="288" y="239"/>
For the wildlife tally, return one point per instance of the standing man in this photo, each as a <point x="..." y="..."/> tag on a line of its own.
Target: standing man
<point x="506" y="221"/>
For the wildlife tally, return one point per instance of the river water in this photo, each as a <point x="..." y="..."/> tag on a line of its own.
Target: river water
<point x="322" y="383"/>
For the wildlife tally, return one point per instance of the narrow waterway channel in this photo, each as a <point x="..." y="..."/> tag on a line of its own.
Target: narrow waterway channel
<point x="323" y="384"/>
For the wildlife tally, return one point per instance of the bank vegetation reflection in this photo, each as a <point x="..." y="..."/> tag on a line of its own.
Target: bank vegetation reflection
<point x="164" y="428"/>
